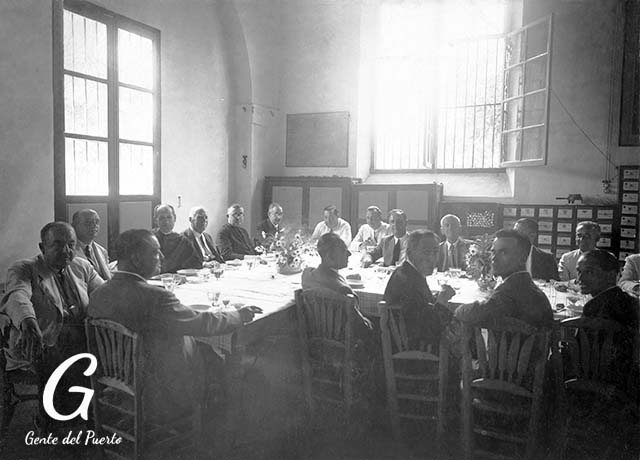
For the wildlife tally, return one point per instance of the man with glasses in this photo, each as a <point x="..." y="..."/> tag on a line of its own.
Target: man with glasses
<point x="587" y="236"/>
<point x="86" y="224"/>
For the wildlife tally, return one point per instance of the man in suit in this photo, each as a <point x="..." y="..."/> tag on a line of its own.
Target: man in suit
<point x="518" y="296"/>
<point x="587" y="236"/>
<point x="540" y="264"/>
<point x="630" y="279"/>
<point x="86" y="224"/>
<point x="269" y="229"/>
<point x="392" y="248"/>
<point x="453" y="250"/>
<point x="45" y="301"/>
<point x="202" y="242"/>
<point x="371" y="232"/>
<point x="233" y="240"/>
<point x="597" y="273"/>
<point x="332" y="223"/>
<point x="167" y="327"/>
<point x="425" y="316"/>
<point x="177" y="250"/>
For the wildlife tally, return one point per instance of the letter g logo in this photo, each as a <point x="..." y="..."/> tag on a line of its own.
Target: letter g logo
<point x="52" y="383"/>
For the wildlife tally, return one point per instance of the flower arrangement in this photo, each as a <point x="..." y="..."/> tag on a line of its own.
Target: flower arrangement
<point x="479" y="262"/>
<point x="291" y="248"/>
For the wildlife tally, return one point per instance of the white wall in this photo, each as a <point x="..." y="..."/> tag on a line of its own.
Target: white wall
<point x="197" y="94"/>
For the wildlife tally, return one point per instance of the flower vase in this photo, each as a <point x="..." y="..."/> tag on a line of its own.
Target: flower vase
<point x="288" y="269"/>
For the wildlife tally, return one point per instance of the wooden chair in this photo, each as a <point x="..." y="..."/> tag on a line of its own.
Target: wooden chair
<point x="502" y="399"/>
<point x="416" y="379"/>
<point x="601" y="388"/>
<point x="32" y="381"/>
<point x="118" y="404"/>
<point x="325" y="327"/>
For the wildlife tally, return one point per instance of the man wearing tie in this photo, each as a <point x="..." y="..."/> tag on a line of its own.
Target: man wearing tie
<point x="86" y="224"/>
<point x="392" y="248"/>
<point x="202" y="242"/>
<point x="540" y="264"/>
<point x="452" y="252"/>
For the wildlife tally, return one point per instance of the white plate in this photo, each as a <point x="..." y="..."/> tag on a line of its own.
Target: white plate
<point x="189" y="271"/>
<point x="355" y="284"/>
<point x="234" y="262"/>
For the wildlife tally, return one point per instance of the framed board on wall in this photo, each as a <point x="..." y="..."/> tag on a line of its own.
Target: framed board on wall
<point x="317" y="139"/>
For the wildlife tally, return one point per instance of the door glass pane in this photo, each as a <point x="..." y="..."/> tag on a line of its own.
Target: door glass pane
<point x="86" y="169"/>
<point x="136" y="169"/>
<point x="85" y="106"/>
<point x="534" y="109"/>
<point x="136" y="115"/>
<point x="85" y="45"/>
<point x="135" y="59"/>
<point x="533" y="143"/>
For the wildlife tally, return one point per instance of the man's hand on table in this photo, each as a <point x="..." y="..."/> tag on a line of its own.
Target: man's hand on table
<point x="247" y="313"/>
<point x="366" y="261"/>
<point x="30" y="341"/>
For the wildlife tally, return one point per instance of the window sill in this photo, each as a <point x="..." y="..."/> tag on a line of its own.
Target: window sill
<point x="489" y="185"/>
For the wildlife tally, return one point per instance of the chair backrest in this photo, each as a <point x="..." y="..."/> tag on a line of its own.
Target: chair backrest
<point x="118" y="350"/>
<point x="591" y="345"/>
<point x="511" y="354"/>
<point x="328" y="316"/>
<point x="393" y="327"/>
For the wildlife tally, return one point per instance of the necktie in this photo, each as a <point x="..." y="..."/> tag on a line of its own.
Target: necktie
<point x="206" y="251"/>
<point x="89" y="256"/>
<point x="396" y="253"/>
<point x="452" y="257"/>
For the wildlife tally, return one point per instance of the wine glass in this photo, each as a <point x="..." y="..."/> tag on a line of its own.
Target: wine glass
<point x="218" y="270"/>
<point x="169" y="281"/>
<point x="225" y="301"/>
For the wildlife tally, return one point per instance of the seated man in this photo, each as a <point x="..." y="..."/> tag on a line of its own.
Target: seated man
<point x="372" y="232"/>
<point x="517" y="297"/>
<point x="334" y="255"/>
<point x="587" y="236"/>
<point x="86" y="224"/>
<point x="167" y="327"/>
<point x="177" y="250"/>
<point x="453" y="250"/>
<point x="201" y="242"/>
<point x="233" y="240"/>
<point x="332" y="223"/>
<point x="46" y="299"/>
<point x="425" y="316"/>
<point x="630" y="279"/>
<point x="597" y="273"/>
<point x="392" y="248"/>
<point x="540" y="264"/>
<point x="269" y="229"/>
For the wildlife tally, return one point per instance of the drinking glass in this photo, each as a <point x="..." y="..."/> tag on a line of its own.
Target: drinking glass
<point x="169" y="281"/>
<point x="217" y="270"/>
<point x="214" y="296"/>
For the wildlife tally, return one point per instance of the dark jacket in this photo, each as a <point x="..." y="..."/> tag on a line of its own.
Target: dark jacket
<point x="188" y="233"/>
<point x="178" y="252"/>
<point x="543" y="265"/>
<point x="234" y="243"/>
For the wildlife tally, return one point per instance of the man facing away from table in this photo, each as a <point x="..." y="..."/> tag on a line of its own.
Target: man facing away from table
<point x="202" y="242"/>
<point x="540" y="264"/>
<point x="425" y="316"/>
<point x="517" y="297"/>
<point x="332" y="223"/>
<point x="392" y="248"/>
<point x="371" y="232"/>
<point x="167" y="327"/>
<point x="630" y="278"/>
<point x="177" y="250"/>
<point x="269" y="229"/>
<point x="587" y="236"/>
<point x="453" y="250"/>
<point x="86" y="224"/>
<point x="44" y="305"/>
<point x="233" y="240"/>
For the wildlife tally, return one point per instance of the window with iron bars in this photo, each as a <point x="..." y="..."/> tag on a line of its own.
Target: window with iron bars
<point x="447" y="101"/>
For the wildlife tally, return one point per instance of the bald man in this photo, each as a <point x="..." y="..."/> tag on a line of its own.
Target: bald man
<point x="587" y="236"/>
<point x="203" y="246"/>
<point x="86" y="224"/>
<point x="453" y="250"/>
<point x="233" y="240"/>
<point x="177" y="250"/>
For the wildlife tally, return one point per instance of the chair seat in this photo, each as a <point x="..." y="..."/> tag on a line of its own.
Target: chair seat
<point x="602" y="389"/>
<point x="510" y="408"/>
<point x="416" y="354"/>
